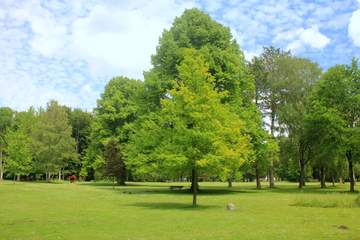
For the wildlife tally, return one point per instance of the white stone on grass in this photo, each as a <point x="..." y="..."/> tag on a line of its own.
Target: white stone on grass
<point x="230" y="206"/>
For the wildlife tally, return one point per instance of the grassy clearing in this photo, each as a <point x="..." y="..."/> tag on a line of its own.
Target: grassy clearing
<point x="152" y="211"/>
<point x="328" y="201"/>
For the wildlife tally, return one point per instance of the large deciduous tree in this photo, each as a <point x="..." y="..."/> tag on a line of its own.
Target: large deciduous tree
<point x="340" y="89"/>
<point x="116" y="111"/>
<point x="194" y="131"/>
<point x="52" y="143"/>
<point x="195" y="29"/>
<point x="299" y="76"/>
<point x="283" y="83"/>
<point x="324" y="131"/>
<point x="269" y="83"/>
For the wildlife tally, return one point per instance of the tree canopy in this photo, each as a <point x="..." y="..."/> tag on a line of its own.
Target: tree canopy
<point x="51" y="140"/>
<point x="194" y="131"/>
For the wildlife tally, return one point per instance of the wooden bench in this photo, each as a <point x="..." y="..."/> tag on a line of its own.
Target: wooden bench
<point x="176" y="187"/>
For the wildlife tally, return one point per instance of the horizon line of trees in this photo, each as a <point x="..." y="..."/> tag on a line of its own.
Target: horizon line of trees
<point x="202" y="113"/>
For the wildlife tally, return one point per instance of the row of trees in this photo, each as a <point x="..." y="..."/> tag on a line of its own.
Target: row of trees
<point x="315" y="115"/>
<point x="202" y="112"/>
<point x="45" y="142"/>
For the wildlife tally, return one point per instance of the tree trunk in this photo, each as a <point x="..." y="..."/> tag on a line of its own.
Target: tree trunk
<point x="18" y="177"/>
<point x="322" y="177"/>
<point x="272" y="132"/>
<point x="229" y="182"/>
<point x="301" y="166"/>
<point x="121" y="178"/>
<point x="333" y="181"/>
<point x="341" y="180"/>
<point x="272" y="124"/>
<point x="59" y="175"/>
<point x="351" y="171"/>
<point x="271" y="177"/>
<point x="257" y="175"/>
<point x="194" y="181"/>
<point x="302" y="175"/>
<point x="1" y="165"/>
<point x="194" y="184"/>
<point x="48" y="176"/>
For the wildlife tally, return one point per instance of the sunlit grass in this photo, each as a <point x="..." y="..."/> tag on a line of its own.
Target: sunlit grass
<point x="330" y="200"/>
<point x="152" y="211"/>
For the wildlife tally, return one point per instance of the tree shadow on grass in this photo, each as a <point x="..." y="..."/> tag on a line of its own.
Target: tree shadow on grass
<point x="166" y="190"/>
<point x="136" y="188"/>
<point x="172" y="206"/>
<point x="143" y="188"/>
<point x="110" y="184"/>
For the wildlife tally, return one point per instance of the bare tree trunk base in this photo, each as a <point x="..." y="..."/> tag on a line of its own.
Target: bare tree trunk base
<point x="195" y="184"/>
<point x="229" y="183"/>
<point x="322" y="178"/>
<point x="257" y="175"/>
<point x="271" y="178"/>
<point x="351" y="173"/>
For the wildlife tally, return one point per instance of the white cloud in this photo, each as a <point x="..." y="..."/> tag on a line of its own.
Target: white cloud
<point x="301" y="38"/>
<point x="112" y="39"/>
<point x="121" y="40"/>
<point x="49" y="34"/>
<point x="67" y="50"/>
<point x="314" y="38"/>
<point x="354" y="27"/>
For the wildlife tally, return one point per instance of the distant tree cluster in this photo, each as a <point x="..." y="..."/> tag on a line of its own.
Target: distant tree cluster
<point x="202" y="113"/>
<point x="38" y="144"/>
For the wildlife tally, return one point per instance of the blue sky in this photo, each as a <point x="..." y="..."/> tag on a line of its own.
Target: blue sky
<point x="69" y="49"/>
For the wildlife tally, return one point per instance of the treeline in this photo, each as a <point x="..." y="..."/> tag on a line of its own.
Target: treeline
<point x="202" y="113"/>
<point x="38" y="144"/>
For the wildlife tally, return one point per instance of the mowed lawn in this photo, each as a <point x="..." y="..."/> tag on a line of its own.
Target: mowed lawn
<point x="152" y="211"/>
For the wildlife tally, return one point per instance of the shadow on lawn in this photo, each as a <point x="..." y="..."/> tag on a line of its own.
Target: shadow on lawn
<point x="165" y="190"/>
<point x="110" y="184"/>
<point x="202" y="192"/>
<point x="172" y="206"/>
<point x="136" y="188"/>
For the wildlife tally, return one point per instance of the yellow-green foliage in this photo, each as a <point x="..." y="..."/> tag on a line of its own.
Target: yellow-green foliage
<point x="193" y="129"/>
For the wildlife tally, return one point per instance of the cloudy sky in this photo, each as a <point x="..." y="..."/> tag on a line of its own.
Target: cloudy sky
<point x="68" y="49"/>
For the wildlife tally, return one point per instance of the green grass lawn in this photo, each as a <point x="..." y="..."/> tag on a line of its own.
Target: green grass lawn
<point x="152" y="211"/>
